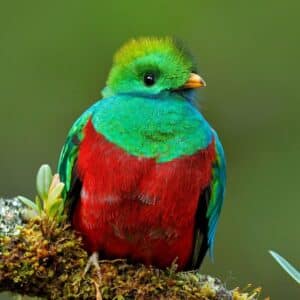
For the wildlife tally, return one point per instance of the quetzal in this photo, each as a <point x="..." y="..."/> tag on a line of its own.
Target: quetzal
<point x="144" y="171"/>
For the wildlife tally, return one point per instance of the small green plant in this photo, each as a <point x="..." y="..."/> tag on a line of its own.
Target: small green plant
<point x="292" y="271"/>
<point x="49" y="201"/>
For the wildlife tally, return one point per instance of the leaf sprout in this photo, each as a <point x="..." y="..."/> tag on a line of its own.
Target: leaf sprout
<point x="49" y="200"/>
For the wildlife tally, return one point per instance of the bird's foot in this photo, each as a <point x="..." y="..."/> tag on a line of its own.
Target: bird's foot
<point x="93" y="261"/>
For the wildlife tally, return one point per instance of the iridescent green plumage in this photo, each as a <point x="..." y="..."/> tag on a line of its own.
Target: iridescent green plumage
<point x="156" y="121"/>
<point x="162" y="56"/>
<point x="217" y="192"/>
<point x="69" y="153"/>
<point x="163" y="128"/>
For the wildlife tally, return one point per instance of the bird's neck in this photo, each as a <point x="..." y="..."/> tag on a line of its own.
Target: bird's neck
<point x="158" y="127"/>
<point x="187" y="94"/>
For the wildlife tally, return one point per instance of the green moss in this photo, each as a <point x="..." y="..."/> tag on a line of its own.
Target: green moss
<point x="48" y="260"/>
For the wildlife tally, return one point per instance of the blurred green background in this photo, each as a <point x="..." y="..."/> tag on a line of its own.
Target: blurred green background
<point x="54" y="59"/>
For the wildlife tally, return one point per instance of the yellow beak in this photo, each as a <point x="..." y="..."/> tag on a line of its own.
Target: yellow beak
<point x="194" y="82"/>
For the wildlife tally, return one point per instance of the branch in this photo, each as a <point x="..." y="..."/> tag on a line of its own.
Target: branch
<point x="47" y="260"/>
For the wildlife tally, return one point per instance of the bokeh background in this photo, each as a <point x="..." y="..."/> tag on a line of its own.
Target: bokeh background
<point x="54" y="59"/>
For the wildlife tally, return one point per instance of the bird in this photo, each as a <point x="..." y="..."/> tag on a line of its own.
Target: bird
<point x="144" y="171"/>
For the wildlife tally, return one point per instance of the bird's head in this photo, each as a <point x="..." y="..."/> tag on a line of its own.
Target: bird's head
<point x="149" y="66"/>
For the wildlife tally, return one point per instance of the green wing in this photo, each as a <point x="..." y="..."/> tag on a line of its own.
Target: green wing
<point x="209" y="208"/>
<point x="69" y="153"/>
<point x="217" y="193"/>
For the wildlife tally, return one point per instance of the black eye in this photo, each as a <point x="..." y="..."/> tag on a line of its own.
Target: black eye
<point x="149" y="79"/>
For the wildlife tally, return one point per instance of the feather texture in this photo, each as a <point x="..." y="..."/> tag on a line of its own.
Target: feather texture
<point x="144" y="172"/>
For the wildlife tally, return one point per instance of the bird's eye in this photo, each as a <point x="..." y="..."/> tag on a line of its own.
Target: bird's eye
<point x="149" y="79"/>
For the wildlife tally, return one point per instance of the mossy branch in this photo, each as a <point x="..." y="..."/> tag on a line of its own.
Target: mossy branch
<point x="49" y="262"/>
<point x="44" y="257"/>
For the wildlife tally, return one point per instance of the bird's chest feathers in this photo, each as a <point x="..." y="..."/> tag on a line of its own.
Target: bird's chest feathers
<point x="130" y="198"/>
<point x="163" y="129"/>
<point x="143" y="166"/>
